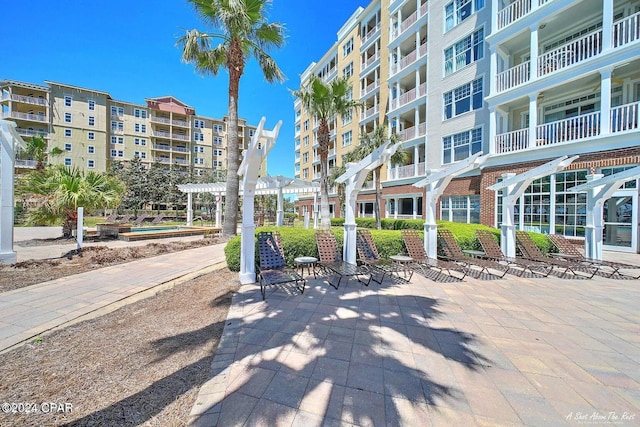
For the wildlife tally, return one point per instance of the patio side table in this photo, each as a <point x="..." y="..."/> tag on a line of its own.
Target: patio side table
<point x="402" y="263"/>
<point x="306" y="261"/>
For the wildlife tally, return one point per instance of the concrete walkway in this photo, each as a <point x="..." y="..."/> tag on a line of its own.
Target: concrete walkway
<point x="28" y="312"/>
<point x="509" y="352"/>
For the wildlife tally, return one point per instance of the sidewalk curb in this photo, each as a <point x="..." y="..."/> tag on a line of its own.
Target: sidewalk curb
<point x="111" y="307"/>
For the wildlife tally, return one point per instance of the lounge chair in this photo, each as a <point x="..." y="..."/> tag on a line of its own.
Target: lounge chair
<point x="531" y="251"/>
<point x="566" y="247"/>
<point x="330" y="261"/>
<point x="369" y="256"/>
<point x="493" y="252"/>
<point x="421" y="261"/>
<point x="272" y="269"/>
<point x="111" y="218"/>
<point x="157" y="219"/>
<point x="124" y="220"/>
<point x="452" y="252"/>
<point x="139" y="220"/>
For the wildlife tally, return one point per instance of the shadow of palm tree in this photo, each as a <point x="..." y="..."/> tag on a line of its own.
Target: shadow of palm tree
<point x="356" y="355"/>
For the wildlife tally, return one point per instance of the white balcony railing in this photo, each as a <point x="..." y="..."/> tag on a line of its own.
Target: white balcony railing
<point x="26" y="164"/>
<point x="180" y="137"/>
<point x="512" y="12"/>
<point x="28" y="99"/>
<point x="164" y="160"/>
<point x="626" y="30"/>
<point x="27" y="116"/>
<point x="162" y="147"/>
<point x="160" y="119"/>
<point x="181" y="123"/>
<point x="161" y="133"/>
<point x="408" y="171"/>
<point x="372" y="33"/>
<point x="369" y="112"/>
<point x="332" y="152"/>
<point x="370" y="88"/>
<point x="625" y="117"/>
<point x="571" y="129"/>
<point x="181" y="149"/>
<point x="513" y="77"/>
<point x="571" y="53"/>
<point x="32" y="132"/>
<point x="370" y="60"/>
<point x="409" y="21"/>
<point x="516" y="140"/>
<point x="413" y="132"/>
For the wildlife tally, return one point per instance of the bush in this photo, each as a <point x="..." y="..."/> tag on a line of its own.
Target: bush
<point x="299" y="242"/>
<point x="337" y="222"/>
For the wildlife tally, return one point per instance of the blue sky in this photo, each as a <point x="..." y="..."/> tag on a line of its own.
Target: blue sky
<point x="127" y="48"/>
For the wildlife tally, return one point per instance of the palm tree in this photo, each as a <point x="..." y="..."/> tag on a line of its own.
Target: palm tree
<point x="243" y="31"/>
<point x="36" y="149"/>
<point x="61" y="190"/>
<point x="368" y="144"/>
<point x="325" y="101"/>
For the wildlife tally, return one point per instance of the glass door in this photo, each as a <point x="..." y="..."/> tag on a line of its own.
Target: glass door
<point x="621" y="222"/>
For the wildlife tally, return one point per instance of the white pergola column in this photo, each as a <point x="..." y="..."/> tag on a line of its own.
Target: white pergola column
<point x="605" y="101"/>
<point x="315" y="210"/>
<point x="607" y="25"/>
<point x="416" y="158"/>
<point x="395" y="210"/>
<point x="354" y="178"/>
<point x="599" y="189"/>
<point x="435" y="183"/>
<point x="280" y="208"/>
<point x="9" y="140"/>
<point x="189" y="208"/>
<point x="512" y="187"/>
<point x="219" y="210"/>
<point x="415" y="207"/>
<point x="261" y="143"/>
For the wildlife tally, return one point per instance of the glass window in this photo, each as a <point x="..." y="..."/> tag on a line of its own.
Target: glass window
<point x="67" y="147"/>
<point x="459" y="10"/>
<point x="67" y="101"/>
<point x="346" y="139"/>
<point x="347" y="47"/>
<point x="92" y="121"/>
<point x="464" y="52"/>
<point x="91" y="164"/>
<point x="610" y="171"/>
<point x="67" y="117"/>
<point x="463" y="99"/>
<point x="91" y="149"/>
<point x="348" y="70"/>
<point x="461" y="145"/>
<point x="67" y="161"/>
<point x="67" y="133"/>
<point x="92" y="104"/>
<point x="91" y="136"/>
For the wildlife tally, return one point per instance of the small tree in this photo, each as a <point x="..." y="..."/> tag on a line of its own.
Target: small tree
<point x="61" y="190"/>
<point x="37" y="149"/>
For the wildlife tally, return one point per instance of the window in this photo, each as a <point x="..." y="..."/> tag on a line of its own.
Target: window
<point x="117" y="111"/>
<point x="612" y="170"/>
<point x="347" y="117"/>
<point x="251" y="132"/>
<point x="305" y="157"/>
<point x="197" y="136"/>
<point x="461" y="145"/>
<point x="117" y="140"/>
<point x="347" y="47"/>
<point x="305" y="125"/>
<point x="465" y="209"/>
<point x="140" y="114"/>
<point x="197" y="149"/>
<point x="198" y="124"/>
<point x="305" y="141"/>
<point x="91" y="164"/>
<point x="305" y="173"/>
<point x="198" y="161"/>
<point x="217" y="152"/>
<point x="67" y="133"/>
<point x="459" y="10"/>
<point x="92" y="120"/>
<point x="67" y="117"/>
<point x="348" y="70"/>
<point x="218" y="128"/>
<point x="463" y="99"/>
<point x="464" y="52"/>
<point x="67" y="101"/>
<point x="217" y="140"/>
<point x="346" y="139"/>
<point x="92" y="104"/>
<point x="91" y="136"/>
<point x="67" y="147"/>
<point x="91" y="149"/>
<point x="139" y="141"/>
<point x="140" y="154"/>
<point x="117" y="126"/>
<point x="67" y="161"/>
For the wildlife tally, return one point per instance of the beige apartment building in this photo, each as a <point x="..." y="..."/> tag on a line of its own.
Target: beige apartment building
<point x="93" y="129"/>
<point x="521" y="81"/>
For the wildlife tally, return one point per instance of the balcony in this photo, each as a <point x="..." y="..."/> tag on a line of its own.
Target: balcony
<point x="570" y="53"/>
<point x="180" y="149"/>
<point x="623" y="118"/>
<point x="27" y="100"/>
<point x="370" y="88"/>
<point x="367" y="63"/>
<point x="514" y="11"/>
<point x="164" y="160"/>
<point x="409" y="21"/>
<point x="162" y="147"/>
<point x="409" y="96"/>
<point x="27" y="116"/>
<point x="369" y="112"/>
<point x="161" y="134"/>
<point x="157" y="119"/>
<point x="413" y="132"/>
<point x="26" y="164"/>
<point x="32" y="132"/>
<point x="409" y="59"/>
<point x="180" y="161"/>
<point x="370" y="35"/>
<point x="180" y="137"/>
<point x="626" y="30"/>
<point x="180" y="123"/>
<point x="408" y="171"/>
<point x="513" y="77"/>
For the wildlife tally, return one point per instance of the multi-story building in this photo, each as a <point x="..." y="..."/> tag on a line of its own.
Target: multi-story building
<point x="523" y="82"/>
<point x="93" y="129"/>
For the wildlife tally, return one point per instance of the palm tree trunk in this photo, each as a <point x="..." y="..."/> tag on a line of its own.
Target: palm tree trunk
<point x="236" y="66"/>
<point x="323" y="151"/>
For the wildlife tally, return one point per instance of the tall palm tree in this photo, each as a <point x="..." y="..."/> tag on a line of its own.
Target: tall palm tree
<point x="37" y="149"/>
<point x="369" y="142"/>
<point x="242" y="32"/>
<point x="61" y="190"/>
<point x="324" y="101"/>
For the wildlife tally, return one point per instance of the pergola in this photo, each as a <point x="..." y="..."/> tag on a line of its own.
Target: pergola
<point x="600" y="188"/>
<point x="9" y="142"/>
<point x="269" y="185"/>
<point x="513" y="186"/>
<point x="354" y="178"/>
<point x="436" y="182"/>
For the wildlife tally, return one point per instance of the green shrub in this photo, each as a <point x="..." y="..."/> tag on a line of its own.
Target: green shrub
<point x="366" y="222"/>
<point x="337" y="222"/>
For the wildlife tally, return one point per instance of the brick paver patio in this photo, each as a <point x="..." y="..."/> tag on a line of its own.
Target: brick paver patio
<point x="512" y="351"/>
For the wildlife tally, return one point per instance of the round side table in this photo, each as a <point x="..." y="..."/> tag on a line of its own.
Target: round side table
<point x="306" y="261"/>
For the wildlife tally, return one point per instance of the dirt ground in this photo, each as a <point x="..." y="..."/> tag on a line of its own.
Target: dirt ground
<point x="140" y="365"/>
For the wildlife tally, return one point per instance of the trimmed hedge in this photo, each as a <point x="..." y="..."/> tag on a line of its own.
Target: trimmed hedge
<point x="302" y="242"/>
